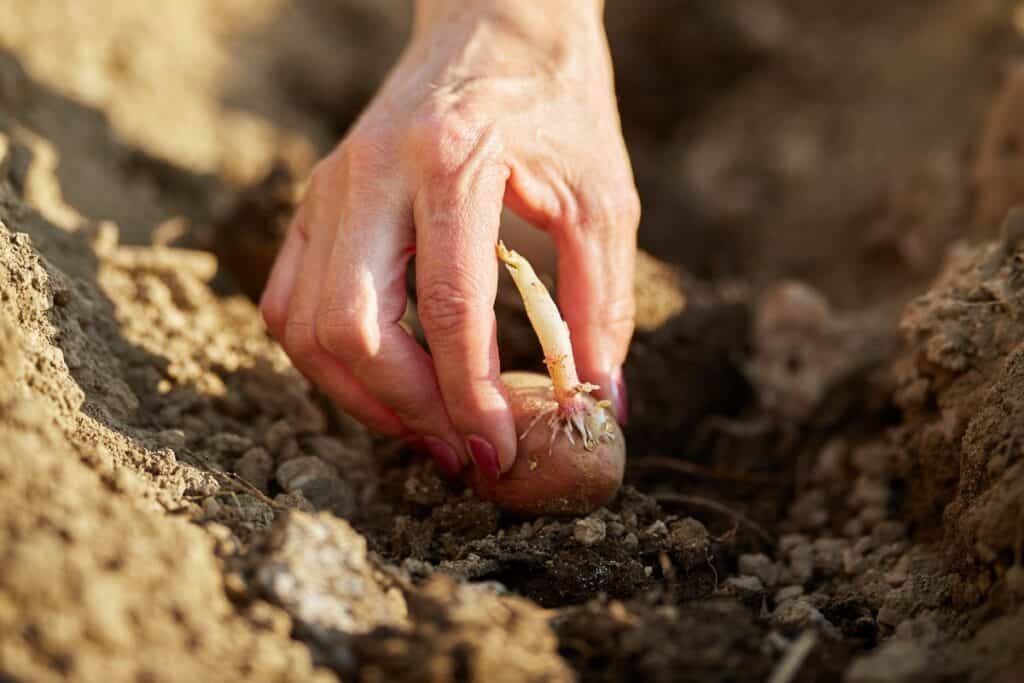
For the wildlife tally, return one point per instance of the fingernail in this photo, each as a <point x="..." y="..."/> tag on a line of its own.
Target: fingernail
<point x="619" y="398"/>
<point x="485" y="457"/>
<point x="443" y="454"/>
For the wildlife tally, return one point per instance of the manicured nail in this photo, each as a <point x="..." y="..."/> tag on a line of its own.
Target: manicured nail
<point x="485" y="457"/>
<point x="619" y="397"/>
<point x="443" y="455"/>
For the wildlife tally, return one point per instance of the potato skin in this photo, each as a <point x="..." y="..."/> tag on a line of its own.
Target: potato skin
<point x="571" y="480"/>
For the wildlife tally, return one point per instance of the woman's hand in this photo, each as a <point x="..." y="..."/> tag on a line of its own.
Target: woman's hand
<point x="494" y="102"/>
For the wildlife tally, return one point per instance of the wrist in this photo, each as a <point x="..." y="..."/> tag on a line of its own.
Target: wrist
<point x="536" y="20"/>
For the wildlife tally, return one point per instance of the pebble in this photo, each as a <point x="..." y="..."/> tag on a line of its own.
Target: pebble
<point x="875" y="459"/>
<point x="256" y="466"/>
<point x="854" y="528"/>
<point x="744" y="585"/>
<point x="761" y="566"/>
<point x="872" y="515"/>
<point x="689" y="543"/>
<point x="853" y="562"/>
<point x="589" y="531"/>
<point x="898" y="574"/>
<point x="809" y="510"/>
<point x="335" y="452"/>
<point x="790" y="541"/>
<point x="172" y="438"/>
<point x="630" y="541"/>
<point x="277" y="435"/>
<point x="616" y="529"/>
<point x="797" y="613"/>
<point x="293" y="474"/>
<point x="788" y="593"/>
<point x="868" y="491"/>
<point x="658" y="528"/>
<point x="801" y="563"/>
<point x="828" y="555"/>
<point x="319" y="483"/>
<point x="829" y="466"/>
<point x="228" y="442"/>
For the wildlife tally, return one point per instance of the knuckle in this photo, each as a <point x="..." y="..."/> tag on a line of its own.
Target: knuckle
<point x="445" y="310"/>
<point x="614" y="210"/>
<point x="444" y="140"/>
<point x="340" y="333"/>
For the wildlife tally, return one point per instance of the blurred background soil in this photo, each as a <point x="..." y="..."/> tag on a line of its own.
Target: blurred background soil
<point x="826" y="478"/>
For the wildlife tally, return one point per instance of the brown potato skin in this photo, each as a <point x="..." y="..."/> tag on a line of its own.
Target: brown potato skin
<point x="571" y="480"/>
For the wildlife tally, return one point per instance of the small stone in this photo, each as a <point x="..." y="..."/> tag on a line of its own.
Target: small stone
<point x="796" y="614"/>
<point x="318" y="482"/>
<point x="277" y="435"/>
<point x="801" y="563"/>
<point x="853" y="562"/>
<point x="875" y="459"/>
<point x="790" y="541"/>
<point x="829" y="466"/>
<point x="295" y="473"/>
<point x="744" y="585"/>
<point x="319" y="570"/>
<point x="227" y="442"/>
<point x="630" y="541"/>
<point x="853" y="528"/>
<point x="828" y="555"/>
<point x="289" y="451"/>
<point x="761" y="566"/>
<point x="589" y="531"/>
<point x="809" y="511"/>
<point x="335" y="452"/>
<point x="872" y="515"/>
<point x="172" y="438"/>
<point x="788" y="593"/>
<point x="616" y="529"/>
<point x="658" y="528"/>
<point x="255" y="466"/>
<point x="897" y="576"/>
<point x="330" y="493"/>
<point x="868" y="491"/>
<point x="689" y="543"/>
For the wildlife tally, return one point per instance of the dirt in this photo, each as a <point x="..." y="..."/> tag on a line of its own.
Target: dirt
<point x="825" y="478"/>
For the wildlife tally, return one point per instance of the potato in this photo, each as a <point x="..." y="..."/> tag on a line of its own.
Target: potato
<point x="559" y="479"/>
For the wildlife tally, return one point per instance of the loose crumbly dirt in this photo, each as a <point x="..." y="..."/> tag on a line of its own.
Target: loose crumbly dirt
<point x="825" y="478"/>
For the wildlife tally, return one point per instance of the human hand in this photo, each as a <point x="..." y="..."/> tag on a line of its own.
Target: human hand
<point x="494" y="102"/>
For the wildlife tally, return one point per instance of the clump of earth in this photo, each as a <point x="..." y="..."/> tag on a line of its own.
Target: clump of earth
<point x="825" y="478"/>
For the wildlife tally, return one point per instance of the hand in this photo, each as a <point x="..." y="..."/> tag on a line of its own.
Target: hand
<point x="493" y="102"/>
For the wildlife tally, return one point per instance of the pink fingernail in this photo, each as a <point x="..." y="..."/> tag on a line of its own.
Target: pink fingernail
<point x="443" y="454"/>
<point x="619" y="397"/>
<point x="485" y="457"/>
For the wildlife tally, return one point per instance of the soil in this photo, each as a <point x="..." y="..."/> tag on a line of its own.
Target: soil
<point x="825" y="477"/>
